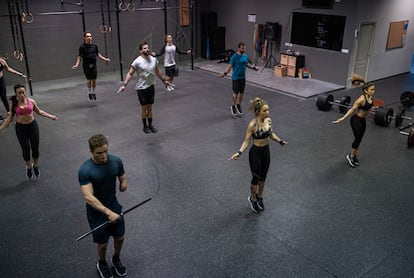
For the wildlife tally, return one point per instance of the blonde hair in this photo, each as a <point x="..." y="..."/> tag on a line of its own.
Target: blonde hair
<point x="358" y="80"/>
<point x="256" y="104"/>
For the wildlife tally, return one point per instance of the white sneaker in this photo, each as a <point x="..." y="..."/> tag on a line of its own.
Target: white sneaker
<point x="168" y="88"/>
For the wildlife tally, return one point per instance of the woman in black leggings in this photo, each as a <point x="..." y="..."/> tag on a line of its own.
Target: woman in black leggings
<point x="3" y="93"/>
<point x="260" y="129"/>
<point x="361" y="107"/>
<point x="27" y="130"/>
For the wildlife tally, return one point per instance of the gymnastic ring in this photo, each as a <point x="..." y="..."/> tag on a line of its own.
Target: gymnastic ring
<point x="27" y="17"/>
<point x="131" y="7"/>
<point x="16" y="54"/>
<point x="103" y="29"/>
<point x="21" y="56"/>
<point x="123" y="6"/>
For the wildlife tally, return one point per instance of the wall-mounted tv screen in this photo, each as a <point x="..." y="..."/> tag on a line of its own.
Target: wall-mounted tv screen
<point x="318" y="30"/>
<point x="317" y="4"/>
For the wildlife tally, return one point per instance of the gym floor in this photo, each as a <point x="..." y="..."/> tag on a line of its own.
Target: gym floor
<point x="322" y="217"/>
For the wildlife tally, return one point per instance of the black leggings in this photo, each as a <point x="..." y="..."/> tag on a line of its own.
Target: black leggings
<point x="3" y="93"/>
<point x="259" y="160"/>
<point x="358" y="128"/>
<point x="28" y="136"/>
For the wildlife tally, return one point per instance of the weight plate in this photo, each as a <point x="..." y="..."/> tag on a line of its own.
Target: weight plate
<point x="344" y="104"/>
<point x="324" y="102"/>
<point x="399" y="118"/>
<point x="410" y="140"/>
<point x="407" y="99"/>
<point x="383" y="116"/>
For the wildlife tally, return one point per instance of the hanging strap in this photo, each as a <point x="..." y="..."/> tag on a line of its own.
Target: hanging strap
<point x="103" y="28"/>
<point x="12" y="24"/>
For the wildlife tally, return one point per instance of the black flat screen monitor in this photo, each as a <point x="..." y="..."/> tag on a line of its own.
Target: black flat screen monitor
<point x="318" y="30"/>
<point x="318" y="4"/>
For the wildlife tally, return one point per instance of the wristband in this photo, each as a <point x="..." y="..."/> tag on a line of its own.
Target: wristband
<point x="281" y="142"/>
<point x="225" y="73"/>
<point x="240" y="153"/>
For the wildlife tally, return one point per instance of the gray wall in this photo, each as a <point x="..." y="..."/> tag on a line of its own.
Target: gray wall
<point x="52" y="41"/>
<point x="331" y="66"/>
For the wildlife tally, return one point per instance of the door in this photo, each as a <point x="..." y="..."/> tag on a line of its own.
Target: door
<point x="363" y="51"/>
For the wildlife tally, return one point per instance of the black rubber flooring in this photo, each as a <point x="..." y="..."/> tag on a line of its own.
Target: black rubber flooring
<point x="322" y="218"/>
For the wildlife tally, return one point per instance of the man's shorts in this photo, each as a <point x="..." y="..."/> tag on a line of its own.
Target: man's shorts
<point x="90" y="71"/>
<point x="239" y="85"/>
<point x="101" y="236"/>
<point x="146" y="96"/>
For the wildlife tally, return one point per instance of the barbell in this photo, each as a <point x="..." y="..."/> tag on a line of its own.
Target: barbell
<point x="382" y="116"/>
<point x="324" y="102"/>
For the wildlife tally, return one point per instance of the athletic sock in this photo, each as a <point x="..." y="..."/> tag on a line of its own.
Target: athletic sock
<point x="144" y="121"/>
<point x="149" y="121"/>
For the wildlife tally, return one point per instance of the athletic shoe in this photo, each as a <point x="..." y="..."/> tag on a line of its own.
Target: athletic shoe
<point x="168" y="88"/>
<point x="350" y="161"/>
<point x="238" y="110"/>
<point x="103" y="269"/>
<point x="90" y="97"/>
<point x="120" y="269"/>
<point x="356" y="162"/>
<point x="29" y="174"/>
<point x="147" y="129"/>
<point x="94" y="96"/>
<point x="253" y="205"/>
<point x="153" y="129"/>
<point x="36" y="170"/>
<point x="259" y="203"/>
<point x="233" y="110"/>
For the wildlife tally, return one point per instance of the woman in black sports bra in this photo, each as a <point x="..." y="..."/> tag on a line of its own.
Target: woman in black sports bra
<point x="260" y="129"/>
<point x="361" y="107"/>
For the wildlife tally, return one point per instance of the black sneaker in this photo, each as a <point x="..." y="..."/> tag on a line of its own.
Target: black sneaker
<point x="29" y="174"/>
<point x="147" y="129"/>
<point x="94" y="96"/>
<point x="153" y="129"/>
<point x="120" y="269"/>
<point x="356" y="162"/>
<point x="90" y="97"/>
<point x="233" y="110"/>
<point x="36" y="170"/>
<point x="260" y="203"/>
<point x="253" y="205"/>
<point x="103" y="269"/>
<point x="350" y="161"/>
<point x="239" y="111"/>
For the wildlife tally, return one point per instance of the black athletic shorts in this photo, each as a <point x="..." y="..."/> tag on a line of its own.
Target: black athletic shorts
<point x="90" y="71"/>
<point x="101" y="236"/>
<point x="146" y="96"/>
<point x="171" y="71"/>
<point x="239" y="85"/>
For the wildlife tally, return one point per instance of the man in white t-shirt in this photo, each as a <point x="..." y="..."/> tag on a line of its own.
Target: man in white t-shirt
<point x="146" y="67"/>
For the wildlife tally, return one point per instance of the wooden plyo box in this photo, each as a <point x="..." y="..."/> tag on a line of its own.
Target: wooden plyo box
<point x="280" y="70"/>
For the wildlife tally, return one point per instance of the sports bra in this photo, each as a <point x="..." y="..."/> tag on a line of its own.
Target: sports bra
<point x="25" y="111"/>
<point x="367" y="106"/>
<point x="261" y="134"/>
